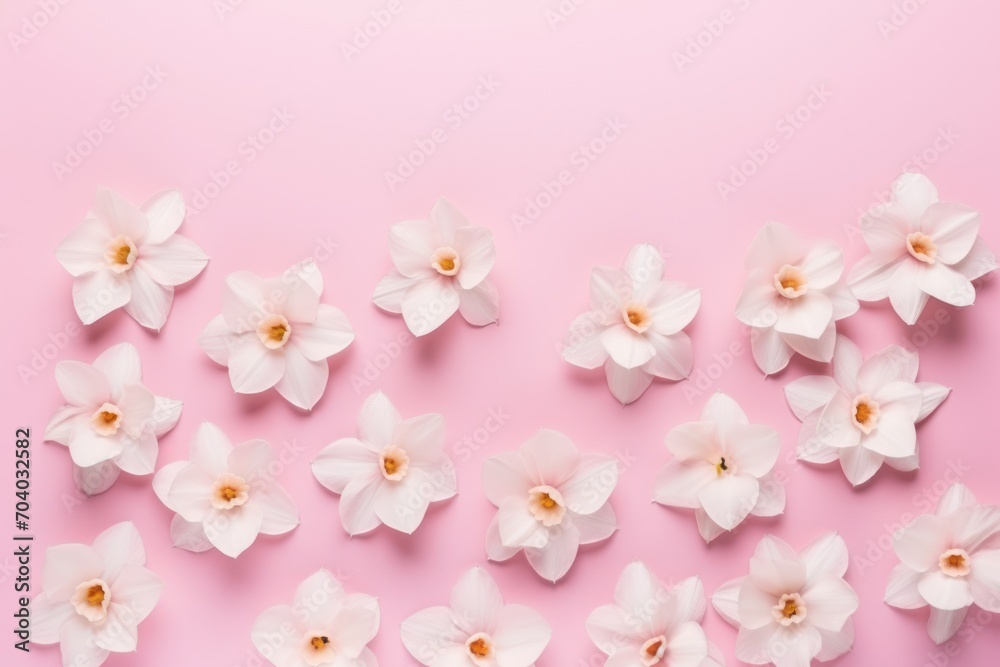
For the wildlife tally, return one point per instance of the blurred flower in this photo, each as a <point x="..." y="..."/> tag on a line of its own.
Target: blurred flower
<point x="722" y="468"/>
<point x="652" y="625"/>
<point x="794" y="607"/>
<point x="121" y="255"/>
<point x="950" y="561"/>
<point x="274" y="332"/>
<point x="865" y="414"/>
<point x="391" y="472"/>
<point x="94" y="597"/>
<point x="552" y="499"/>
<point x="323" y="626"/>
<point x="477" y="630"/>
<point x="441" y="265"/>
<point x="224" y="496"/>
<point x="920" y="247"/>
<point x="634" y="325"/>
<point x="792" y="297"/>
<point x="111" y="422"/>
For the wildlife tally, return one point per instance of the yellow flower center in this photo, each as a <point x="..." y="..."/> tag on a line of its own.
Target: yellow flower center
<point x="95" y="596"/>
<point x="479" y="648"/>
<point x="390" y="466"/>
<point x="654" y="648"/>
<point x="789" y="609"/>
<point x="319" y="642"/>
<point x="863" y="413"/>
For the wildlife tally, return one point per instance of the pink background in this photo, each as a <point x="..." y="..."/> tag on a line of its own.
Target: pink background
<point x="321" y="182"/>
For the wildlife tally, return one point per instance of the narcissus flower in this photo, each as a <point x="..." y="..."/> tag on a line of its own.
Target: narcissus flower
<point x="634" y="327"/>
<point x="950" y="561"/>
<point x="920" y="248"/>
<point x="94" y="597"/>
<point x="274" y="332"/>
<point x="441" y="265"/>
<point x="651" y="625"/>
<point x="552" y="499"/>
<point x="224" y="496"/>
<point x="323" y="626"/>
<point x="111" y="422"/>
<point x="722" y="468"/>
<point x="477" y="629"/>
<point x="792" y="298"/>
<point x="865" y="414"/>
<point x="391" y="472"/>
<point x="793" y="608"/>
<point x="123" y="256"/>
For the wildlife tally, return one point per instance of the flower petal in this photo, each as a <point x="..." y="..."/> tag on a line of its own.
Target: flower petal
<point x="708" y="529"/>
<point x="173" y="261"/>
<point x="905" y="294"/>
<point x="810" y="445"/>
<point x="830" y="601"/>
<point x="389" y="292"/>
<point x="402" y="506"/>
<point x="150" y="301"/>
<point x="826" y="556"/>
<point x="582" y="343"/>
<point x="88" y="448"/>
<point x="810" y="393"/>
<point x="953" y="228"/>
<point x="377" y="420"/>
<point x="166" y="412"/>
<point x="835" y="427"/>
<point x="280" y="513"/>
<point x="901" y="588"/>
<point x="687" y="645"/>
<point x="674" y="356"/>
<point x="728" y="500"/>
<point x="96" y="478"/>
<point x="475" y="601"/>
<point x="626" y="384"/>
<point x="495" y="549"/>
<point x="774" y="245"/>
<point x="504" y="476"/>
<point x="672" y="305"/>
<point x="753" y="447"/>
<point x="253" y="368"/>
<point x="807" y="316"/>
<point x="758" y="303"/>
<point x="859" y="463"/>
<point x="944" y="592"/>
<point x="518" y="527"/>
<point x="644" y="264"/>
<point x="82" y="251"/>
<point x="933" y="396"/>
<point x="678" y="484"/>
<point x="771" y="501"/>
<point x="120" y="214"/>
<point x="77" y="645"/>
<point x="549" y="457"/>
<point x="304" y="381"/>
<point x="357" y="504"/>
<point x="98" y="293"/>
<point x="164" y="479"/>
<point x="985" y="579"/>
<point x="233" y="531"/>
<point x="597" y="526"/>
<point x="428" y="632"/>
<point x="823" y="264"/>
<point x="695" y="442"/>
<point x="872" y="277"/>
<point x="340" y="462"/>
<point x="609" y="288"/>
<point x="48" y="615"/>
<point x="726" y="600"/>
<point x="770" y="350"/>
<point x="475" y="248"/>
<point x="481" y="304"/>
<point x="553" y="561"/>
<point x="138" y="455"/>
<point x="66" y="565"/>
<point x="980" y="261"/>
<point x="921" y="544"/>
<point x="818" y="349"/>
<point x="164" y="213"/>
<point x="411" y="244"/>
<point x="82" y="385"/>
<point x="589" y="487"/>
<point x="120" y="365"/>
<point x="942" y="625"/>
<point x="895" y="435"/>
<point x="955" y="498"/>
<point x="626" y="347"/>
<point x="946" y="284"/>
<point x="428" y="304"/>
<point x="217" y="340"/>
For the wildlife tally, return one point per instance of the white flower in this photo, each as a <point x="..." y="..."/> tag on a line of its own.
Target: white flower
<point x="323" y="626"/>
<point x="865" y="414"/>
<point x="652" y="625"/>
<point x="950" y="561"/>
<point x="477" y="629"/>
<point x="111" y="422"/>
<point x="634" y="327"/>
<point x="722" y="468"/>
<point x="224" y="496"/>
<point x="552" y="499"/>
<point x="274" y="332"/>
<point x="95" y="596"/>
<point x="794" y="607"/>
<point x="391" y="472"/>
<point x="441" y="265"/>
<point x="793" y="297"/>
<point x="121" y="255"/>
<point x="920" y="247"/>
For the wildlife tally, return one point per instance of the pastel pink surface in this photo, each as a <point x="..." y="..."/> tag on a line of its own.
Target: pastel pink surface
<point x="319" y="189"/>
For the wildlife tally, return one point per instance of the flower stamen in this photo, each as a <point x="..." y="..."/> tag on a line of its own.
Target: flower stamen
<point x="107" y="420"/>
<point x="791" y="609"/>
<point x="955" y="563"/>
<point x="790" y="281"/>
<point x="445" y="261"/>
<point x="921" y="247"/>
<point x="273" y="331"/>
<point x="637" y="316"/>
<point x="229" y="491"/>
<point x="546" y="504"/>
<point x="91" y="600"/>
<point x="480" y="647"/>
<point x="394" y="463"/>
<point x="120" y="254"/>
<point x="653" y="651"/>
<point x="865" y="413"/>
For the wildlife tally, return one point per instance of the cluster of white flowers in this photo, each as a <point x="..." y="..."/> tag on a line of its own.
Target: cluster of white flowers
<point x="792" y="608"/>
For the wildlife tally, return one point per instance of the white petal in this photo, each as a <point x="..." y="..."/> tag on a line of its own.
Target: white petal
<point x="672" y="305"/>
<point x="771" y="501"/>
<point x="953" y="228"/>
<point x="426" y="633"/>
<point x="893" y="364"/>
<point x="591" y="484"/>
<point x="756" y="605"/>
<point x="914" y="193"/>
<point x="121" y="366"/>
<point x="810" y="445"/>
<point x="253" y="368"/>
<point x="280" y="513"/>
<point x="708" y="529"/>
<point x="150" y="301"/>
<point x="82" y="251"/>
<point x="872" y="277"/>
<point x="504" y="476"/>
<point x="758" y="303"/>
<point x="351" y="629"/>
<point x="775" y="576"/>
<point x="689" y="596"/>
<point x="66" y="565"/>
<point x="687" y="645"/>
<point x="210" y="448"/>
<point x="553" y="561"/>
<point x="304" y="381"/>
<point x="972" y="526"/>
<point x="723" y="410"/>
<point x="357" y="504"/>
<point x="190" y="493"/>
<point x="245" y="300"/>
<point x="626" y="347"/>
<point x="933" y="396"/>
<point x="596" y="526"/>
<point x="895" y="435"/>
<point x="809" y="393"/>
<point x="164" y="478"/>
<point x="98" y="293"/>
<point x="835" y="427"/>
<point x="830" y="602"/>
<point x="818" y="349"/>
<point x="189" y="535"/>
<point x="217" y="340"/>
<point x="77" y="645"/>
<point x="233" y="531"/>
<point x="328" y="335"/>
<point x="411" y="245"/>
<point x="389" y="292"/>
<point x="402" y="506"/>
<point x="825" y="556"/>
<point x="518" y="527"/>
<point x="165" y="213"/>
<point x="955" y="498"/>
<point x="613" y="628"/>
<point x="166" y="412"/>
<point x="674" y="357"/>
<point x="273" y="634"/>
<point x="726" y="600"/>
<point x="946" y="284"/>
<point x="905" y="294"/>
<point x="47" y="618"/>
<point x="774" y="548"/>
<point x="795" y="648"/>
<point x="136" y="404"/>
<point x="447" y="219"/>
<point x="481" y="304"/>
<point x="582" y="344"/>
<point x="823" y="264"/>
<point x="549" y="457"/>
<point x="495" y="549"/>
<point x="475" y="248"/>
<point x="377" y="420"/>
<point x="82" y="385"/>
<point x="96" y="478"/>
<point x="942" y="625"/>
<point x="324" y="596"/>
<point x="901" y="588"/>
<point x="753" y="447"/>
<point x="921" y="544"/>
<point x="729" y="499"/>
<point x="134" y="593"/>
<point x="644" y="264"/>
<point x="859" y="463"/>
<point x="174" y="261"/>
<point x="338" y="463"/>
<point x="752" y="645"/>
<point x="428" y="304"/>
<point x="847" y="362"/>
<point x="609" y="288"/>
<point x="121" y="214"/>
<point x="476" y="601"/>
<point x="770" y="350"/>
<point x="980" y="261"/>
<point x="985" y="579"/>
<point x="678" y="484"/>
<point x="626" y="384"/>
<point x="138" y="455"/>
<point x="844" y="302"/>
<point x="695" y="442"/>
<point x="87" y="448"/>
<point x="63" y="422"/>
<point x="774" y="245"/>
<point x="944" y="592"/>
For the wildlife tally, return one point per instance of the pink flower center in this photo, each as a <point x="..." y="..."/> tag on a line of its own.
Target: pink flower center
<point x="637" y="316"/>
<point x="445" y="261"/>
<point x="653" y="651"/>
<point x="790" y="282"/>
<point x="107" y="420"/>
<point x="546" y="505"/>
<point x="120" y="254"/>
<point x="790" y="610"/>
<point x="229" y="491"/>
<point x="865" y="413"/>
<point x="394" y="462"/>
<point x="91" y="600"/>
<point x="480" y="647"/>
<point x="955" y="563"/>
<point x="273" y="331"/>
<point x="922" y="247"/>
